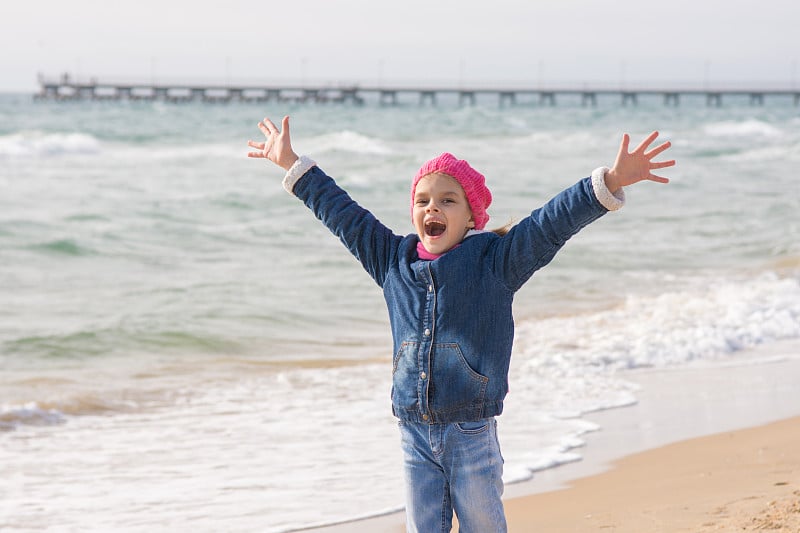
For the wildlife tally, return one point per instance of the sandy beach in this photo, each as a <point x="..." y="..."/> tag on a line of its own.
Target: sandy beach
<point x="703" y="450"/>
<point x="746" y="480"/>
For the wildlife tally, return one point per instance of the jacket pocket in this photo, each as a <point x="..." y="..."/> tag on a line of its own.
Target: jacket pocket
<point x="405" y="376"/>
<point x="455" y="385"/>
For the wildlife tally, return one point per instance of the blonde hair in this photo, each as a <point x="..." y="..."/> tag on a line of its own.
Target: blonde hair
<point x="502" y="230"/>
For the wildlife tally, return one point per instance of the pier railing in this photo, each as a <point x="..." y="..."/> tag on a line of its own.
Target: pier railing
<point x="65" y="88"/>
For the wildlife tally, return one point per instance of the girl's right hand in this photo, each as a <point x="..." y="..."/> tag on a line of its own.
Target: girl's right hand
<point x="278" y="145"/>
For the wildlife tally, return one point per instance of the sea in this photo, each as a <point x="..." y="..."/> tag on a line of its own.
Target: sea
<point x="184" y="347"/>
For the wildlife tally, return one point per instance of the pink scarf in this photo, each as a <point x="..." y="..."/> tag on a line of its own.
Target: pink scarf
<point x="425" y="254"/>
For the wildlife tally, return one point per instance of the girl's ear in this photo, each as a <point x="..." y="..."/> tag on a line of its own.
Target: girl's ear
<point x="470" y="224"/>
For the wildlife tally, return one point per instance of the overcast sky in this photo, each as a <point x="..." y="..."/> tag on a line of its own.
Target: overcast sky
<point x="368" y="41"/>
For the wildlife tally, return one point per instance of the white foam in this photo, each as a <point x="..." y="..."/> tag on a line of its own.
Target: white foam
<point x="27" y="144"/>
<point x="12" y="416"/>
<point x="269" y="436"/>
<point x="745" y="128"/>
<point x="566" y="367"/>
<point x="669" y="329"/>
<point x="345" y="141"/>
<point x="768" y="153"/>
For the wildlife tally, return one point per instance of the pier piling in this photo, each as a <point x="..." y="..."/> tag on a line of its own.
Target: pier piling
<point x="466" y="97"/>
<point x="547" y="97"/>
<point x="427" y="96"/>
<point x="588" y="98"/>
<point x="507" y="97"/>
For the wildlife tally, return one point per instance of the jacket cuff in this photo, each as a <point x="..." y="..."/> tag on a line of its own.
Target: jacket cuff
<point x="297" y="171"/>
<point x="609" y="200"/>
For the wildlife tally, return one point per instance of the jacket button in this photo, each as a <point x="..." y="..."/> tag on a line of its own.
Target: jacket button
<point x="425" y="417"/>
<point x="423" y="375"/>
<point x="430" y="288"/>
<point x="427" y="332"/>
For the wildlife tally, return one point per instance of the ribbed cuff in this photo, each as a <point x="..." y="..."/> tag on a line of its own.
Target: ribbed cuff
<point x="609" y="200"/>
<point x="297" y="171"/>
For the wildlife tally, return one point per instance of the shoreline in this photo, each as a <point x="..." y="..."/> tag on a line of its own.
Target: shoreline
<point x="682" y="417"/>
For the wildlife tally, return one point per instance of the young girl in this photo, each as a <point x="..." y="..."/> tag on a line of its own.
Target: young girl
<point x="449" y="289"/>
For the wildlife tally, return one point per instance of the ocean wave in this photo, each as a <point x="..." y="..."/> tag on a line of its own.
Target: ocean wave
<point x="346" y="141"/>
<point x="673" y="328"/>
<point x="27" y="144"/>
<point x="63" y="247"/>
<point x="188" y="152"/>
<point x="30" y="414"/>
<point x="746" y="128"/>
<point x="81" y="403"/>
<point x="768" y="153"/>
<point x="104" y="342"/>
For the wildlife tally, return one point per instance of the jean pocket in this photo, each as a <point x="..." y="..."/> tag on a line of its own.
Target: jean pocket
<point x="473" y="428"/>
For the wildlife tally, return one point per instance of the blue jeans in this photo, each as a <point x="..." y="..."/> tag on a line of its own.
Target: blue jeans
<point x="451" y="467"/>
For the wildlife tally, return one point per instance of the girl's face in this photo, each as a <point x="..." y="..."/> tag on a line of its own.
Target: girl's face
<point x="441" y="213"/>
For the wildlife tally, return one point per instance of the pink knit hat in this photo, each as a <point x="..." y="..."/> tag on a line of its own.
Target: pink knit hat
<point x="472" y="181"/>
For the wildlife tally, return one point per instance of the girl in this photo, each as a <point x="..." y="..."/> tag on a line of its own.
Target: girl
<point x="449" y="289"/>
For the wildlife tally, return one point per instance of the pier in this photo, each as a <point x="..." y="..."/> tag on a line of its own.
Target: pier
<point x="66" y="89"/>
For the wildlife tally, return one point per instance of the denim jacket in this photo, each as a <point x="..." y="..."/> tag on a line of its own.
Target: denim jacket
<point x="451" y="319"/>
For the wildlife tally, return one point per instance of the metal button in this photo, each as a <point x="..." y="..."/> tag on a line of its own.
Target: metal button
<point x="423" y="375"/>
<point x="425" y="417"/>
<point x="430" y="288"/>
<point x="427" y="332"/>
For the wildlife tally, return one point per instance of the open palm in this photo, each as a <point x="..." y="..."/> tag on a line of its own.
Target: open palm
<point x="636" y="166"/>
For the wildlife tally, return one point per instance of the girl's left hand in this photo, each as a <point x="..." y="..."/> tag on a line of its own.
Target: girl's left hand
<point x="636" y="166"/>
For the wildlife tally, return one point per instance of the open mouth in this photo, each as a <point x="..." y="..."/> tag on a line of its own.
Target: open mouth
<point x="434" y="228"/>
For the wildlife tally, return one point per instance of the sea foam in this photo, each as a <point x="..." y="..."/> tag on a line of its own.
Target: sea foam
<point x="746" y="128"/>
<point x="671" y="328"/>
<point x="31" y="414"/>
<point x="39" y="144"/>
<point x="346" y="141"/>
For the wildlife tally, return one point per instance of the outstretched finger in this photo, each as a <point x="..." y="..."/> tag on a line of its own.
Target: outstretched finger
<point x="623" y="146"/>
<point x="645" y="143"/>
<point x="270" y="126"/>
<point x="256" y="154"/>
<point x="658" y="179"/>
<point x="657" y="150"/>
<point x="663" y="164"/>
<point x="253" y="144"/>
<point x="285" y="126"/>
<point x="267" y="127"/>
